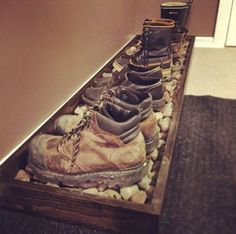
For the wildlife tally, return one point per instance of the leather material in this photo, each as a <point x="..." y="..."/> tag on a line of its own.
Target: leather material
<point x="146" y="82"/>
<point x="99" y="148"/>
<point x="117" y="120"/>
<point x="131" y="100"/>
<point x="176" y="11"/>
<point x="155" y="43"/>
<point x="93" y="94"/>
<point x="148" y="127"/>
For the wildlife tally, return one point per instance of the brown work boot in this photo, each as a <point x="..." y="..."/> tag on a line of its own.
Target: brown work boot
<point x="107" y="148"/>
<point x="128" y="99"/>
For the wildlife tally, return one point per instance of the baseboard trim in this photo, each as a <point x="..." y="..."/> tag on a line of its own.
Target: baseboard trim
<point x="207" y="42"/>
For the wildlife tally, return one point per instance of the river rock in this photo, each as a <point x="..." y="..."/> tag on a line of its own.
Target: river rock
<point x="163" y="135"/>
<point x="167" y="97"/>
<point x="149" y="190"/>
<point x="106" y="75"/>
<point x="22" y="176"/>
<point x="131" y="51"/>
<point x="52" y="185"/>
<point x="161" y="143"/>
<point x="93" y="191"/>
<point x="159" y="116"/>
<point x="139" y="197"/>
<point x="145" y="182"/>
<point x="168" y="109"/>
<point x="127" y="192"/>
<point x="177" y="76"/>
<point x="153" y="155"/>
<point x="102" y="194"/>
<point x="112" y="193"/>
<point x="165" y="124"/>
<point x="79" y="110"/>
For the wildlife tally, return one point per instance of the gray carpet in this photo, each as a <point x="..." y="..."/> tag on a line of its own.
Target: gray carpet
<point x="201" y="191"/>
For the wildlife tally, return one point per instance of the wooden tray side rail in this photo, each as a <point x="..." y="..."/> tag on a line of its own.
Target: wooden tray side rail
<point x="160" y="188"/>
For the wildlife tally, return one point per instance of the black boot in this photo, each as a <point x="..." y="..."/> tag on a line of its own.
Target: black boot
<point x="179" y="12"/>
<point x="176" y="11"/>
<point x="155" y="49"/>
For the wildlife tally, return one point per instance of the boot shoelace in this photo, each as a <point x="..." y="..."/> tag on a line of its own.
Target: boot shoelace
<point x="106" y="95"/>
<point x="75" y="135"/>
<point x="83" y="124"/>
<point x="144" y="53"/>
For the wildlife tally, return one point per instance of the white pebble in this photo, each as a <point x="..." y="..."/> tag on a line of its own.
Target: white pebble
<point x="168" y="109"/>
<point x="161" y="143"/>
<point x="145" y="182"/>
<point x="127" y="192"/>
<point x="112" y="193"/>
<point x="165" y="124"/>
<point x="149" y="190"/>
<point x="162" y="135"/>
<point x="159" y="116"/>
<point x="52" y="185"/>
<point x="91" y="191"/>
<point x="22" y="176"/>
<point x="102" y="194"/>
<point x="106" y="75"/>
<point x="153" y="155"/>
<point x="177" y="77"/>
<point x="79" y="110"/>
<point x="139" y="197"/>
<point x="167" y="97"/>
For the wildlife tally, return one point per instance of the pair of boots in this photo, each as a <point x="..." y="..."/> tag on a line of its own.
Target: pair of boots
<point x="107" y="147"/>
<point x="155" y="48"/>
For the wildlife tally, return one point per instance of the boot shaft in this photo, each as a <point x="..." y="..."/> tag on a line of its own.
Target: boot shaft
<point x="177" y="11"/>
<point x="157" y="36"/>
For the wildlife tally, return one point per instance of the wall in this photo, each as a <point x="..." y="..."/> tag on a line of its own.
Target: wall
<point x="49" y="48"/>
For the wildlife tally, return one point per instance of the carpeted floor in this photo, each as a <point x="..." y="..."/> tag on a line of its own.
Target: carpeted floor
<point x="201" y="191"/>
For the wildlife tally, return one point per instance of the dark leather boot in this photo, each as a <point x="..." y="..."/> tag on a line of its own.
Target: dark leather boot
<point x="106" y="148"/>
<point x="131" y="99"/>
<point x="155" y="49"/>
<point x="93" y="93"/>
<point x="149" y="80"/>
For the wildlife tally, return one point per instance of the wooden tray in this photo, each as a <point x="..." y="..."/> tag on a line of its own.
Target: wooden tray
<point x="73" y="207"/>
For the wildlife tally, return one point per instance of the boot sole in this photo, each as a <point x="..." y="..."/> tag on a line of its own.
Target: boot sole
<point x="110" y="179"/>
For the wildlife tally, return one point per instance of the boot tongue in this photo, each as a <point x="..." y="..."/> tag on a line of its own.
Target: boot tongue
<point x="125" y="94"/>
<point x="140" y="79"/>
<point x="115" y="112"/>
